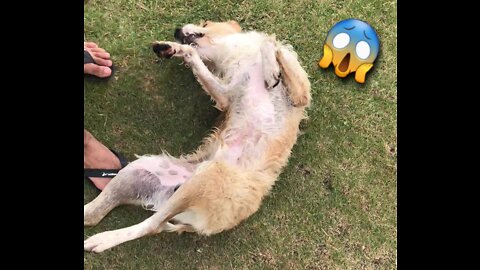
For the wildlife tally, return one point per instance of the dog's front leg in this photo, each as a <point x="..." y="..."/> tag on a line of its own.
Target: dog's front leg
<point x="210" y="83"/>
<point x="294" y="77"/>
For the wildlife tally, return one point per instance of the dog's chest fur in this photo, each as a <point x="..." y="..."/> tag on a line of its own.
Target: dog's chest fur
<point x="256" y="112"/>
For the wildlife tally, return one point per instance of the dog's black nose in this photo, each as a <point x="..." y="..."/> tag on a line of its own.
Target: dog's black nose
<point x="157" y="48"/>
<point x="178" y="34"/>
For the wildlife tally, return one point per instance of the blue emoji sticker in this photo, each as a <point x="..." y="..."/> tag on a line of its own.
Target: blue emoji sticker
<point x="352" y="46"/>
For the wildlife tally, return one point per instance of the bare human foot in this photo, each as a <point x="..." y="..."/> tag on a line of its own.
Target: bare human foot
<point x="101" y="67"/>
<point x="98" y="156"/>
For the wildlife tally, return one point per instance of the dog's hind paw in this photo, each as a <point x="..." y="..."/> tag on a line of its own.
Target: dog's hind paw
<point x="101" y="242"/>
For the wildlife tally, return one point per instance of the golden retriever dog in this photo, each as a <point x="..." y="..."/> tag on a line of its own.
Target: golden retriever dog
<point x="262" y="90"/>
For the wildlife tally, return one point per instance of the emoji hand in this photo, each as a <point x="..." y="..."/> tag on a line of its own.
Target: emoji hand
<point x="327" y="57"/>
<point x="351" y="46"/>
<point x="361" y="72"/>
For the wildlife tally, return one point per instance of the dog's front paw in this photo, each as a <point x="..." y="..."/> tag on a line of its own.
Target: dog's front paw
<point x="163" y="50"/>
<point x="300" y="100"/>
<point x="166" y="49"/>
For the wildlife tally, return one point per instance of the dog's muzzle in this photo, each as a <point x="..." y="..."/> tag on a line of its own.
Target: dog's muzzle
<point x="186" y="39"/>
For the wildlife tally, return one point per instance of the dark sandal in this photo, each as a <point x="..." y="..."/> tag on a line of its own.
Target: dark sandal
<point x="88" y="59"/>
<point x="106" y="173"/>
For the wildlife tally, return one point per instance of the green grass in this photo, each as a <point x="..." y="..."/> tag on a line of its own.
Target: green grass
<point x="334" y="206"/>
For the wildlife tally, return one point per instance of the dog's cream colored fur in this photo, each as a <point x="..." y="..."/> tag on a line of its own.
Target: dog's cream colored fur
<point x="238" y="164"/>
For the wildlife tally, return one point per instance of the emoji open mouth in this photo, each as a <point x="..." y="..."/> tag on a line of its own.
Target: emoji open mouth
<point x="345" y="63"/>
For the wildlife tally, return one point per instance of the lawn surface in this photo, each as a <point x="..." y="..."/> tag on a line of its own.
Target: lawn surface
<point x="333" y="207"/>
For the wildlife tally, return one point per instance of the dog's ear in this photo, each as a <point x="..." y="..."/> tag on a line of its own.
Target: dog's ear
<point x="236" y="25"/>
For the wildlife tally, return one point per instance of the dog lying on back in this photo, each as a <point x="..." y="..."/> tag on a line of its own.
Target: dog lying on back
<point x="263" y="91"/>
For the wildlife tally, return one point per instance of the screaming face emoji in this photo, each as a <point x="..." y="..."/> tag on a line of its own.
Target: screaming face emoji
<point x="352" y="46"/>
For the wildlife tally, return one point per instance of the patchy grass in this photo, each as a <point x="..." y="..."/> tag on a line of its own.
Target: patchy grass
<point x="334" y="206"/>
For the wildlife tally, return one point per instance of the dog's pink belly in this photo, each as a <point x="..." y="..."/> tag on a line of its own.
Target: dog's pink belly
<point x="257" y="103"/>
<point x="243" y="144"/>
<point x="258" y="118"/>
<point x="169" y="171"/>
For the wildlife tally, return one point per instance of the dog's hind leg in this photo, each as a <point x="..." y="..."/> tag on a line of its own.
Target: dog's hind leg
<point x="119" y="191"/>
<point x="97" y="209"/>
<point x="178" y="228"/>
<point x="155" y="224"/>
<point x="112" y="196"/>
<point x="148" y="181"/>
<point x="207" y="204"/>
<point x="294" y="77"/>
<point x="105" y="240"/>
